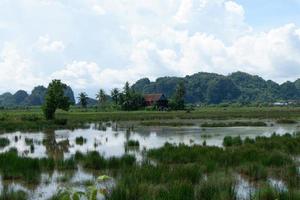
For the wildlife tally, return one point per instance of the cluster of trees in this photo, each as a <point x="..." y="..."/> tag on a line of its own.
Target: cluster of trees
<point x="127" y="99"/>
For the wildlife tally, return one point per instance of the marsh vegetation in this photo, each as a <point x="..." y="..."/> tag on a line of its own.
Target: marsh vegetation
<point x="156" y="162"/>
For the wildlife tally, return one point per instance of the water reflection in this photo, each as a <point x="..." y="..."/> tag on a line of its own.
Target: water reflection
<point x="109" y="138"/>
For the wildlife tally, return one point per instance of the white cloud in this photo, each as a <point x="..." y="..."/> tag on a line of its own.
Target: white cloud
<point x="111" y="41"/>
<point x="99" y="9"/>
<point x="45" y="44"/>
<point x="234" y="8"/>
<point x="79" y="74"/>
<point x="184" y="11"/>
<point x="15" y="72"/>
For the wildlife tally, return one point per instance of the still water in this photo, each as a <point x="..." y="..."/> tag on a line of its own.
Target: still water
<point x="109" y="139"/>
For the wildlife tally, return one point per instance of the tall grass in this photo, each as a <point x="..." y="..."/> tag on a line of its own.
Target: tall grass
<point x="10" y="194"/>
<point x="4" y="142"/>
<point x="235" y="124"/>
<point x="217" y="186"/>
<point x="94" y="160"/>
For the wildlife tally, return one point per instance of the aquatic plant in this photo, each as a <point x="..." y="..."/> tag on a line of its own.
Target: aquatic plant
<point x="232" y="141"/>
<point x="217" y="186"/>
<point x="28" y="141"/>
<point x="80" y="140"/>
<point x="10" y="194"/>
<point x="286" y="121"/>
<point x="4" y="142"/>
<point x="132" y="143"/>
<point x="94" y="160"/>
<point x="235" y="124"/>
<point x="91" y="193"/>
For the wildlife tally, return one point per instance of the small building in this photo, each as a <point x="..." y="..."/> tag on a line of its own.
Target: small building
<point x="158" y="100"/>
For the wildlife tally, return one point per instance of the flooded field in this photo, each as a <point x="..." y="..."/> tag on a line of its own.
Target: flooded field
<point x="109" y="140"/>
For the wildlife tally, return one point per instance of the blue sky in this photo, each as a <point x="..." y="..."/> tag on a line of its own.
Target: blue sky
<point x="265" y="14"/>
<point x="93" y="44"/>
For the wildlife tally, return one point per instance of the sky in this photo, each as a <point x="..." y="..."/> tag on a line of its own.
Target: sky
<point x="93" y="44"/>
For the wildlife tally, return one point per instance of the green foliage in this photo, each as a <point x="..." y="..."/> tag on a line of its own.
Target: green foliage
<point x="101" y="97"/>
<point x="10" y="194"/>
<point x="80" y="140"/>
<point x="131" y="100"/>
<point x="55" y="99"/>
<point x="166" y="123"/>
<point x="83" y="100"/>
<point x="4" y="142"/>
<point x="177" y="102"/>
<point x="286" y="121"/>
<point x="115" y="95"/>
<point x="255" y="171"/>
<point x="90" y="194"/>
<point x="93" y="160"/>
<point x="235" y="124"/>
<point x="132" y="143"/>
<point x="217" y="186"/>
<point x="266" y="192"/>
<point x="14" y="167"/>
<point x="210" y="88"/>
<point x="229" y="141"/>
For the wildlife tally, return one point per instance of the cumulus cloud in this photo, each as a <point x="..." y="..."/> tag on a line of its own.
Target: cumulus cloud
<point x="112" y="41"/>
<point x="45" y="44"/>
<point x="16" y="71"/>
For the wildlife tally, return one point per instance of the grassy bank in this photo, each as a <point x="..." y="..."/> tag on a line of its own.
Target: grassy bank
<point x="12" y="120"/>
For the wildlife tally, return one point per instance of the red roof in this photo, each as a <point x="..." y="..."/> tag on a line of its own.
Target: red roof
<point x="153" y="97"/>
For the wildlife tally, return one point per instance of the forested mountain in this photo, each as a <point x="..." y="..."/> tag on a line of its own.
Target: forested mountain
<point x="36" y="98"/>
<point x="208" y="88"/>
<point x="213" y="88"/>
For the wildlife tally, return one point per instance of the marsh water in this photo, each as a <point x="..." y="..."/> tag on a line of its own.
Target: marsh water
<point x="109" y="139"/>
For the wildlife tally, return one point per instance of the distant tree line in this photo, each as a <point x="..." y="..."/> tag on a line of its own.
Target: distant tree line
<point x="128" y="99"/>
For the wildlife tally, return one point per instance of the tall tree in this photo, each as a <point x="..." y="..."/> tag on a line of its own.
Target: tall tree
<point x="55" y="99"/>
<point x="101" y="97"/>
<point x="130" y="100"/>
<point x="127" y="90"/>
<point x="179" y="96"/>
<point x="115" y="94"/>
<point x="83" y="99"/>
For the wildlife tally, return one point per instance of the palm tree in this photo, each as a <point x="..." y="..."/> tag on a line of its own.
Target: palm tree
<point x="101" y="97"/>
<point x="83" y="99"/>
<point x="115" y="94"/>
